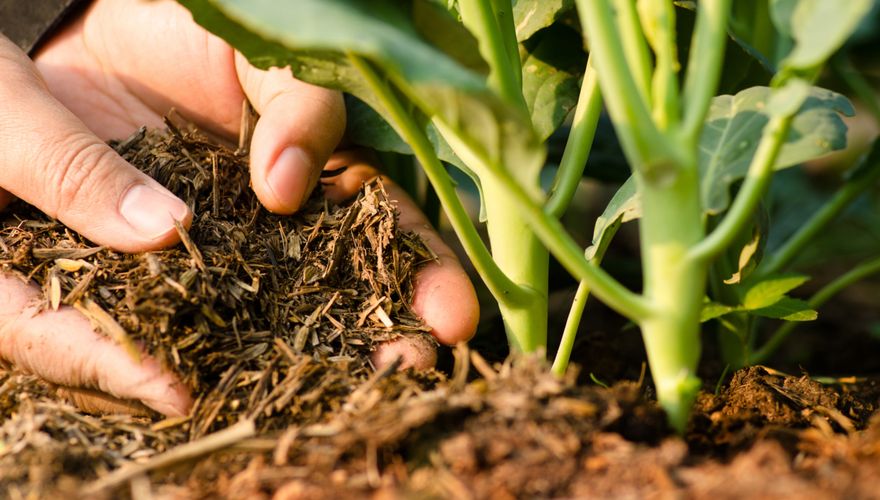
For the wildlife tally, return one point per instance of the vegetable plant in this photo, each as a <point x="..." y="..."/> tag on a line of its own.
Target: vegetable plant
<point x="482" y="84"/>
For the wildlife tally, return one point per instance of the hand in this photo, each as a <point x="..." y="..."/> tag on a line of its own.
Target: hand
<point x="121" y="65"/>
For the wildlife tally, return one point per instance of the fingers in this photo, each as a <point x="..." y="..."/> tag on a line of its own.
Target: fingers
<point x="444" y="296"/>
<point x="415" y="352"/>
<point x="95" y="402"/>
<point x="298" y="129"/>
<point x="51" y="160"/>
<point x="62" y="348"/>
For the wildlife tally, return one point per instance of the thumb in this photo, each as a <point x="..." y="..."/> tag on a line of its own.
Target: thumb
<point x="299" y="127"/>
<point x="63" y="348"/>
<point x="51" y="160"/>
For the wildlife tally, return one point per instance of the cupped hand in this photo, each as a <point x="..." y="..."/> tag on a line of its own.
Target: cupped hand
<point x="123" y="64"/>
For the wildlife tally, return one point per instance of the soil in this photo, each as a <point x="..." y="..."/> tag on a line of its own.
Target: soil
<point x="270" y="321"/>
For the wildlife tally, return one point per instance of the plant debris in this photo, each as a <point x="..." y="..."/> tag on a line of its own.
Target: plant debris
<point x="252" y="306"/>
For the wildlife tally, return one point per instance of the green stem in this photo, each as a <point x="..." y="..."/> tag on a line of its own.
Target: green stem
<point x="858" y="273"/>
<point x="554" y="236"/>
<point x="634" y="47"/>
<point x="750" y="194"/>
<point x="497" y="282"/>
<point x="431" y="205"/>
<point x="829" y="211"/>
<point x="658" y="22"/>
<point x="505" y="75"/>
<point x="504" y="15"/>
<point x="644" y="144"/>
<point x="704" y="65"/>
<point x="675" y="284"/>
<point x="566" y="343"/>
<point x="519" y="253"/>
<point x="578" y="145"/>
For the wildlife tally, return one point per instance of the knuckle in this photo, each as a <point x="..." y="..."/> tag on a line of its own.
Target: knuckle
<point x="78" y="165"/>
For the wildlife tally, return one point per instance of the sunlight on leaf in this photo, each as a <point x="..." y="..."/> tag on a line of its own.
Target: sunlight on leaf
<point x="529" y="16"/>
<point x="818" y="27"/>
<point x="734" y="127"/>
<point x="769" y="291"/>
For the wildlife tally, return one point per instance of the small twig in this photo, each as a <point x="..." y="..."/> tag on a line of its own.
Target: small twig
<point x="108" y="325"/>
<point x="215" y="186"/>
<point x="208" y="444"/>
<point x="190" y="246"/>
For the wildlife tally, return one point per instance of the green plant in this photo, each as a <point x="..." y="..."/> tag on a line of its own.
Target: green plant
<point x="416" y="64"/>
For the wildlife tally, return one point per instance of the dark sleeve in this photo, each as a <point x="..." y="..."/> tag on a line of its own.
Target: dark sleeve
<point x="28" y="22"/>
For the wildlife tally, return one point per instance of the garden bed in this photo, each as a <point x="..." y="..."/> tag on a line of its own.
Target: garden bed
<point x="284" y="380"/>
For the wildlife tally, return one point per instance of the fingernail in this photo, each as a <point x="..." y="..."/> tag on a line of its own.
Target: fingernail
<point x="151" y="211"/>
<point x="290" y="177"/>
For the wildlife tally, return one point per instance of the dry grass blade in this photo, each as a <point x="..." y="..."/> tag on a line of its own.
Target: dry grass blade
<point x="103" y="321"/>
<point x="208" y="444"/>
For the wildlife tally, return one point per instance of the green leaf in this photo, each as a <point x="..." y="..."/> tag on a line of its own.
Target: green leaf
<point x="624" y="206"/>
<point x="818" y="27"/>
<point x="443" y="31"/>
<point x="529" y="16"/>
<point x="795" y="34"/>
<point x="770" y="291"/>
<point x="714" y="310"/>
<point x="788" y="309"/>
<point x="315" y="37"/>
<point x="380" y="30"/>
<point x="752" y="29"/>
<point x="734" y="126"/>
<point x="747" y="261"/>
<point x="365" y="127"/>
<point x="553" y="62"/>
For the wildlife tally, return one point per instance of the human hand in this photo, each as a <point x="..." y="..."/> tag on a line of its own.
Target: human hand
<point x="124" y="64"/>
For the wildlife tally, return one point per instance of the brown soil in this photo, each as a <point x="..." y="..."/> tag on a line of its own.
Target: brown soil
<point x="328" y="425"/>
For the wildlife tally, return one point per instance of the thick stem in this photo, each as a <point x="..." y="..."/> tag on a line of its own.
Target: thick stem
<point x="578" y="145"/>
<point x="520" y="255"/>
<point x="675" y="284"/>
<point x="551" y="232"/>
<point x="570" y="255"/>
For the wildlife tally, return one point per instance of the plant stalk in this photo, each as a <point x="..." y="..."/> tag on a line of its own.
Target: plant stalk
<point x="554" y="236"/>
<point x="704" y="66"/>
<point x="573" y="321"/>
<point x="645" y="146"/>
<point x="634" y="47"/>
<point x="658" y="22"/>
<point x="493" y="33"/>
<point x="675" y="284"/>
<point x="520" y="255"/>
<point x="496" y="281"/>
<point x="578" y="145"/>
<point x="752" y="190"/>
